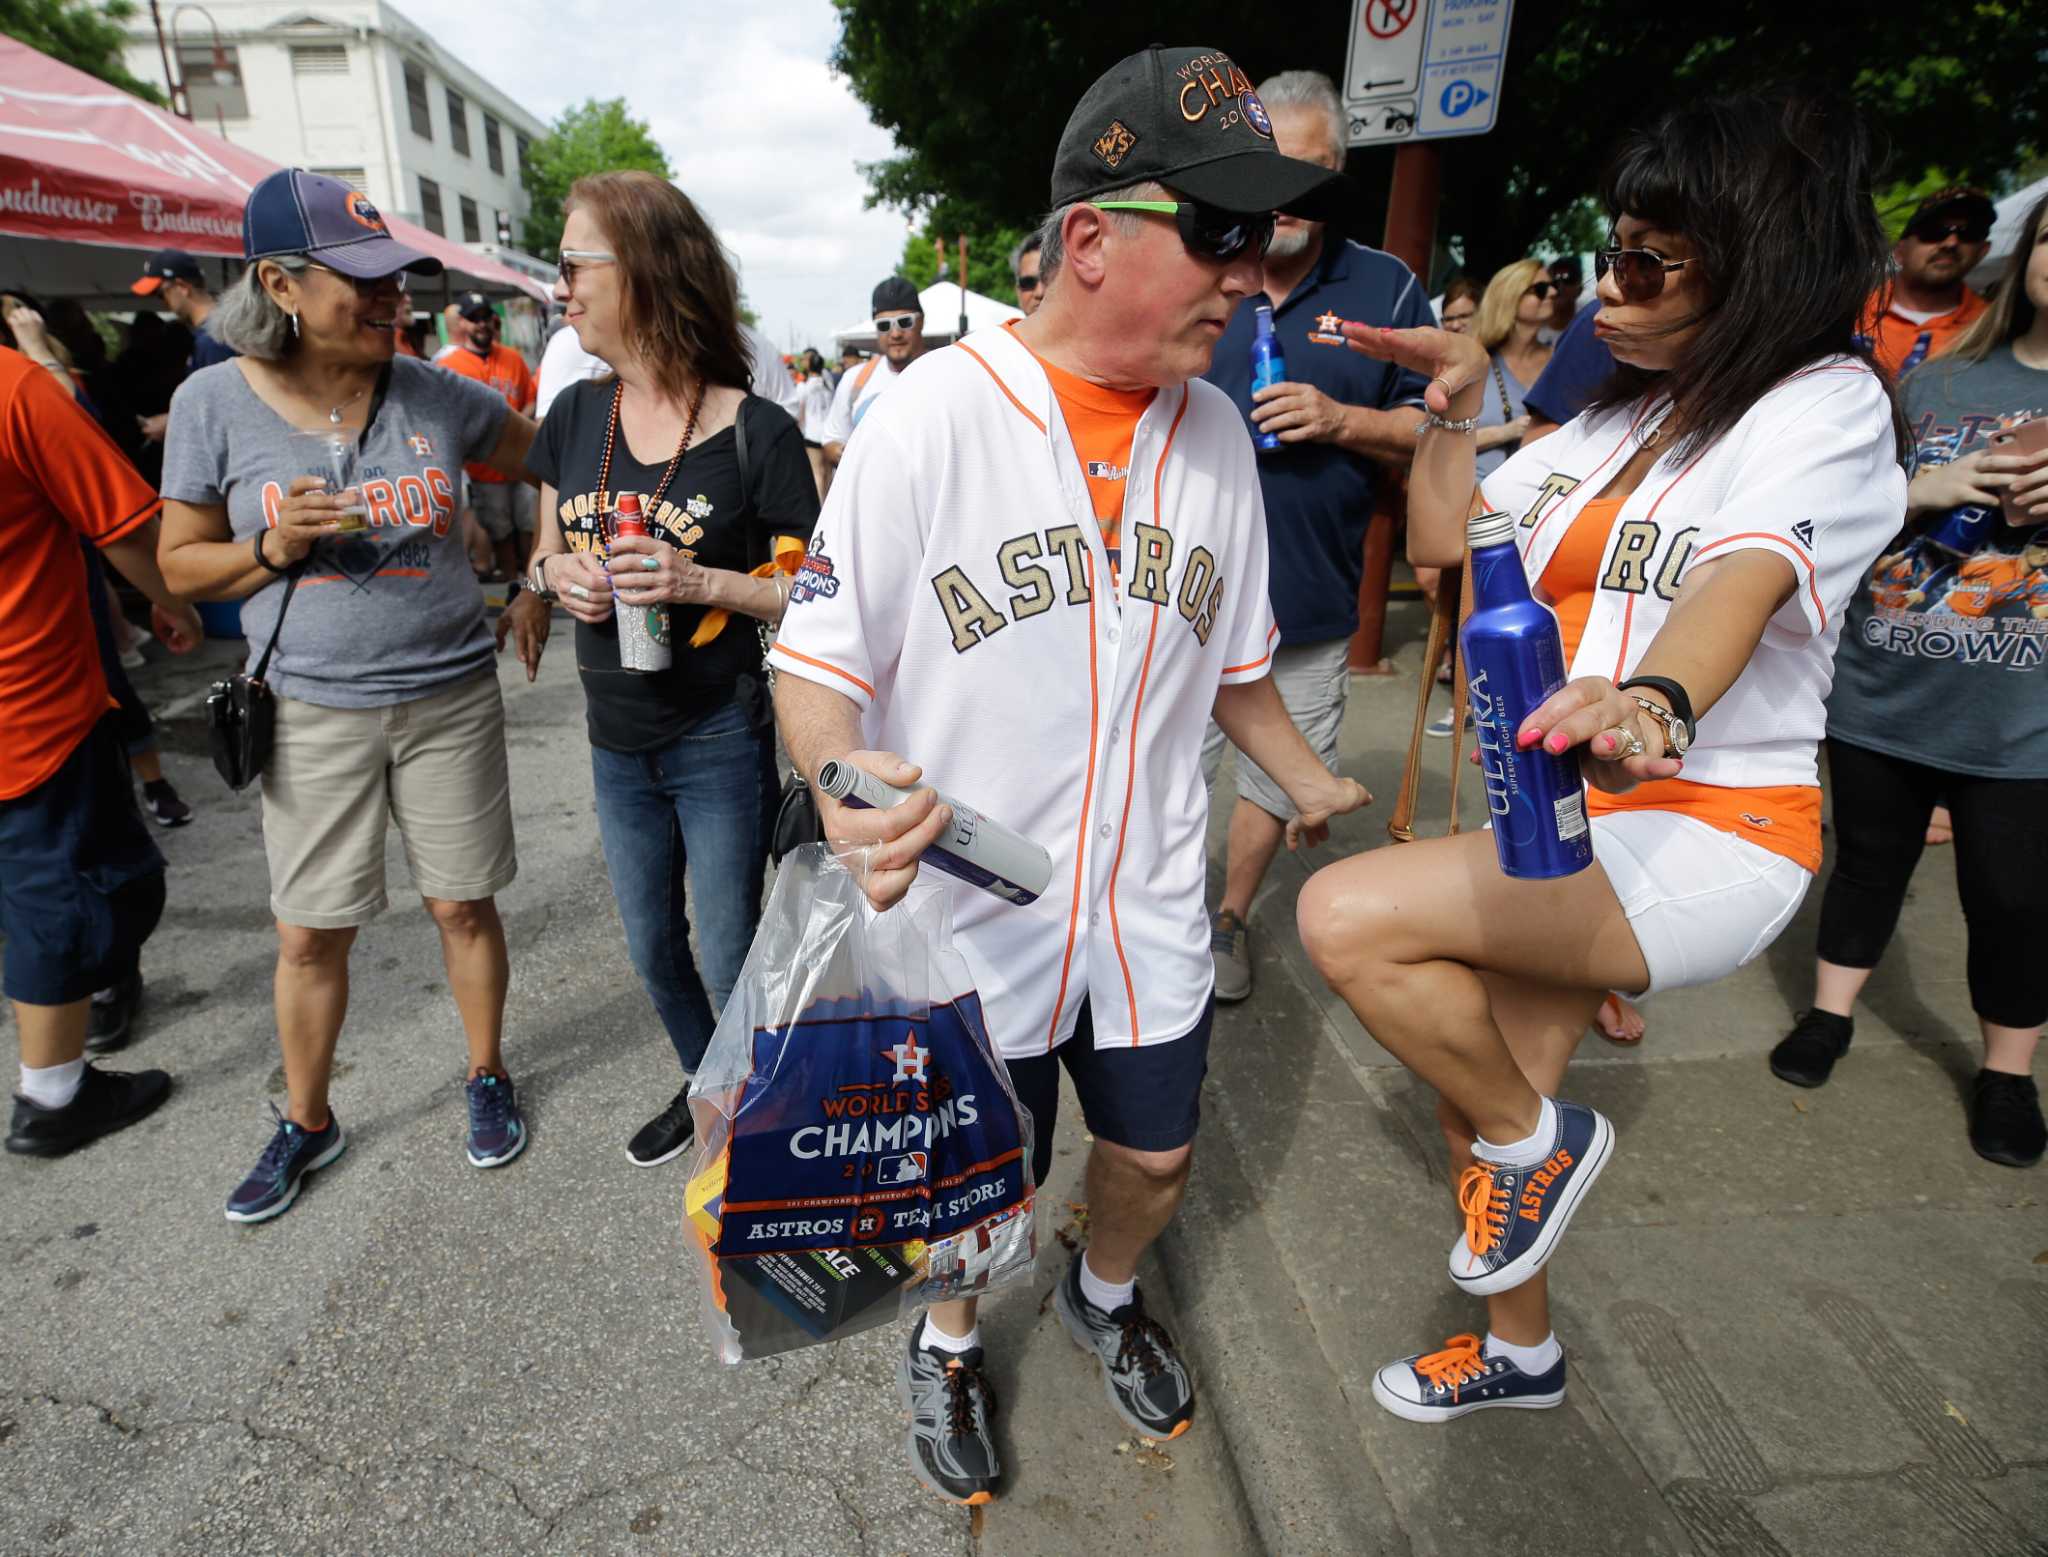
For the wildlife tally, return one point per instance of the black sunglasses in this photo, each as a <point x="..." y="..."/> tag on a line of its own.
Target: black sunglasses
<point x="1639" y="273"/>
<point x="1939" y="232"/>
<point x="1208" y="232"/>
<point x="1027" y="283"/>
<point x="1542" y="289"/>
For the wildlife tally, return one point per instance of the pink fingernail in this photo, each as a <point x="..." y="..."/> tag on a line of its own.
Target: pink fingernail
<point x="1556" y="743"/>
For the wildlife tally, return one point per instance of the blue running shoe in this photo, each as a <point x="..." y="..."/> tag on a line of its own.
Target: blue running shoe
<point x="293" y="1152"/>
<point x="1514" y="1217"/>
<point x="496" y="1132"/>
<point x="1437" y="1386"/>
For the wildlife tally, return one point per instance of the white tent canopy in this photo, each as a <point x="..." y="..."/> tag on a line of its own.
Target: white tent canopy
<point x="2005" y="232"/>
<point x="941" y="304"/>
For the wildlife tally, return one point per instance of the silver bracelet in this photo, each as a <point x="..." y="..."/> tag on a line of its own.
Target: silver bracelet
<point x="1462" y="425"/>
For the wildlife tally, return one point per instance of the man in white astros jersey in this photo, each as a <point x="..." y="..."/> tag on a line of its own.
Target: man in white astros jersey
<point x="1042" y="564"/>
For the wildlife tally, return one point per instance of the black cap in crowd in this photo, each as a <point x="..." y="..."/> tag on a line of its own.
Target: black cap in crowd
<point x="1959" y="199"/>
<point x="895" y="296"/>
<point x="474" y="305"/>
<point x="1188" y="118"/>
<point x="167" y="265"/>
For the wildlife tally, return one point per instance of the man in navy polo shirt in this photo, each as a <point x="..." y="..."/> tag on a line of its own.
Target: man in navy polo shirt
<point x="1337" y="415"/>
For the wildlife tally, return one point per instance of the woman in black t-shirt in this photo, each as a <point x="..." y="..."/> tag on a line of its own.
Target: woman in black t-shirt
<point x="684" y="758"/>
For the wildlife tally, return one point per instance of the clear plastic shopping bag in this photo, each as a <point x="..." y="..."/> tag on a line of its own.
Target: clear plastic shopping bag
<point x="860" y="1151"/>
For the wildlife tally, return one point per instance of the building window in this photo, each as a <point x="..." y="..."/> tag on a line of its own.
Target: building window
<point x="416" y="101"/>
<point x="353" y="177"/>
<point x="472" y="224"/>
<point x="319" y="59"/>
<point x="430" y="208"/>
<point x="520" y="144"/>
<point x="493" y="149"/>
<point x="458" y="123"/>
<point x="504" y="229"/>
<point x="213" y="87"/>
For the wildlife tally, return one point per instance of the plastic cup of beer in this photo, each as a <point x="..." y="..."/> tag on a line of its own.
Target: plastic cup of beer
<point x="331" y="456"/>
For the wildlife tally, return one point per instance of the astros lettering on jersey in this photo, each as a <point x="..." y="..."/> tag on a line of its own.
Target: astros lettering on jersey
<point x="958" y="592"/>
<point x="1808" y="474"/>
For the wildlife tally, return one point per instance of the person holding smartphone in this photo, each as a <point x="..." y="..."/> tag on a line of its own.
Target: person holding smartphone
<point x="1940" y="691"/>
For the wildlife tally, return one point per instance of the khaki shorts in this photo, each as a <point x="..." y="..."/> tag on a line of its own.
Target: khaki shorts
<point x="503" y="506"/>
<point x="435" y="766"/>
<point x="1313" y="682"/>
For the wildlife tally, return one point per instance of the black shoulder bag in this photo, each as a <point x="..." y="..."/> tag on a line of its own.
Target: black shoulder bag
<point x="796" y="810"/>
<point x="241" y="712"/>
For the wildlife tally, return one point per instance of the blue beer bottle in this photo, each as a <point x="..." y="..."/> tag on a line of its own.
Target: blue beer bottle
<point x="1269" y="366"/>
<point x="1514" y="659"/>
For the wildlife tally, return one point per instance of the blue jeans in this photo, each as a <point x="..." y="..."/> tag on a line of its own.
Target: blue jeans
<point x="699" y="807"/>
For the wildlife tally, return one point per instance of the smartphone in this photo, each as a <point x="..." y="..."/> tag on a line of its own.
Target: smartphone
<point x="2023" y="438"/>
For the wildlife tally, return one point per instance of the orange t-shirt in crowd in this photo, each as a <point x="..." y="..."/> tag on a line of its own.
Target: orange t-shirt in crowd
<point x="1893" y="337"/>
<point x="1101" y="422"/>
<point x="506" y="372"/>
<point x="60" y="477"/>
<point x="1784" y="818"/>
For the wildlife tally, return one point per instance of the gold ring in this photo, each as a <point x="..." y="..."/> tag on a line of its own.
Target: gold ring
<point x="1633" y="746"/>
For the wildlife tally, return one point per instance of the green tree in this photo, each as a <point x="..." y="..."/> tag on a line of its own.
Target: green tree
<point x="1959" y="89"/>
<point x="79" y="33"/>
<point x="593" y="137"/>
<point x="988" y="256"/>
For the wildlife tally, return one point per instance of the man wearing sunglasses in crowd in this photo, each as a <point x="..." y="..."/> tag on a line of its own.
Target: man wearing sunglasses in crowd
<point x="1024" y="266"/>
<point x="899" y="333"/>
<point x="1042" y="565"/>
<point x="1928" y="306"/>
<point x="1339" y="417"/>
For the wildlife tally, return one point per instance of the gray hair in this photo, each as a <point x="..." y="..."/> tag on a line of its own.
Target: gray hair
<point x="247" y="319"/>
<point x="1033" y="241"/>
<point x="1309" y="89"/>
<point x="1052" y="248"/>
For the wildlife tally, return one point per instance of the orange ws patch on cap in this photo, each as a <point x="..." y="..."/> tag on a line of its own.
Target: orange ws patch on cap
<point x="359" y="208"/>
<point x="1114" y="143"/>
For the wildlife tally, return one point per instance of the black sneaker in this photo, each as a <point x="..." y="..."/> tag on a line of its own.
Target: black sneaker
<point x="107" y="1101"/>
<point x="112" y="1022"/>
<point x="2005" y="1119"/>
<point x="1806" y="1055"/>
<point x="1141" y="1368"/>
<point x="294" y="1151"/>
<point x="950" y="1406"/>
<point x="664" y="1136"/>
<point x="162" y="803"/>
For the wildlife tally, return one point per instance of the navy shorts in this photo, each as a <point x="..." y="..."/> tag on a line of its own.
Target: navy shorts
<point x="81" y="882"/>
<point x="1148" y="1099"/>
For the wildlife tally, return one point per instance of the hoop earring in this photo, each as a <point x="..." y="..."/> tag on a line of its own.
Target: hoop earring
<point x="295" y="326"/>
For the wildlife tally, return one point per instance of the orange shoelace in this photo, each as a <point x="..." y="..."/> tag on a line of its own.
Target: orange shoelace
<point x="1457" y="1364"/>
<point x="1485" y="1204"/>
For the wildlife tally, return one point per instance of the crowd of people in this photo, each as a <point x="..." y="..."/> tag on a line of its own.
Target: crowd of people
<point x="1780" y="482"/>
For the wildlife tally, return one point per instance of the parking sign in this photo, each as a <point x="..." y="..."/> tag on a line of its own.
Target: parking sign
<point x="1424" y="69"/>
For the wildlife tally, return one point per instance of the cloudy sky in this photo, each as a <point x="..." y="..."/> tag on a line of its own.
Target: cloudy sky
<point x="760" y="132"/>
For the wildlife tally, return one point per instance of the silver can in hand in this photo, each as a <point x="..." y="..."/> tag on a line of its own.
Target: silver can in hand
<point x="644" y="642"/>
<point x="974" y="849"/>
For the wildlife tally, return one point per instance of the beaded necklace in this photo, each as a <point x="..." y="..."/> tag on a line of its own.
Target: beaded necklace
<point x="604" y="468"/>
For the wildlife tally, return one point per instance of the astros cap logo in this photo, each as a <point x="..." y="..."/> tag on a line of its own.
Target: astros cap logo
<point x="1255" y="113"/>
<point x="358" y="206"/>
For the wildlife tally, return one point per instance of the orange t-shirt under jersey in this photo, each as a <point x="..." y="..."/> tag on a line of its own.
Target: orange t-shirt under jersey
<point x="1784" y="818"/>
<point x="1102" y="423"/>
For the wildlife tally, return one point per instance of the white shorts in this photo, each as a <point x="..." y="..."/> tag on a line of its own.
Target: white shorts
<point x="1701" y="902"/>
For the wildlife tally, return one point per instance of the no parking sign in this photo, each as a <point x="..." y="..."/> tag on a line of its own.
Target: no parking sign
<point x="1424" y="69"/>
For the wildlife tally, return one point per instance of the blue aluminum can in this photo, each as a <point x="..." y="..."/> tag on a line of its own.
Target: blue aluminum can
<point x="1514" y="659"/>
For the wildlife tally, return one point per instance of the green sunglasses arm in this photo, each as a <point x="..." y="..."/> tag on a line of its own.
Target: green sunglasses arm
<point x="1169" y="207"/>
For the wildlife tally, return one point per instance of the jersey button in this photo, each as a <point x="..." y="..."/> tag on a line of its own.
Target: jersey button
<point x="1102" y="831"/>
<point x="1112" y="635"/>
<point x="1114" y="732"/>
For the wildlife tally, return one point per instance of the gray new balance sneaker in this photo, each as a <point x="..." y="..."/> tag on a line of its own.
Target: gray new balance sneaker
<point x="1141" y="1369"/>
<point x="1230" y="943"/>
<point x="950" y="1405"/>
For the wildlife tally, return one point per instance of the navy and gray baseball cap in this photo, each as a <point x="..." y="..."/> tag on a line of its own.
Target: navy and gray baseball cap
<point x="167" y="265"/>
<point x="296" y="212"/>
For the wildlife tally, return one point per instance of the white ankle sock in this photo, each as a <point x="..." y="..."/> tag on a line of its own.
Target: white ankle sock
<point x="1532" y="1360"/>
<point x="935" y="1339"/>
<point x="52" y="1086"/>
<point x="1109" y="1296"/>
<point x="1525" y="1153"/>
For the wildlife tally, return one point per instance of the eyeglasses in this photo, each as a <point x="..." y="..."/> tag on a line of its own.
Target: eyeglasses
<point x="901" y="323"/>
<point x="1639" y="273"/>
<point x="569" y="261"/>
<point x="364" y="289"/>
<point x="1207" y="232"/>
<point x="1027" y="283"/>
<point x="1941" y="232"/>
<point x="1542" y="289"/>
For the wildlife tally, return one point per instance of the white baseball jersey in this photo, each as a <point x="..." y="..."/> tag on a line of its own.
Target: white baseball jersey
<point x="957" y="591"/>
<point x="1811" y="474"/>
<point x="859" y="389"/>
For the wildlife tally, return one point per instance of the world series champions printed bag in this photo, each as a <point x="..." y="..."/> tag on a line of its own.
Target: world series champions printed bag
<point x="860" y="1151"/>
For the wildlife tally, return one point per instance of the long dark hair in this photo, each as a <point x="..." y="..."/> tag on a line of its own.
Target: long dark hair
<point x="1774" y="193"/>
<point x="682" y="300"/>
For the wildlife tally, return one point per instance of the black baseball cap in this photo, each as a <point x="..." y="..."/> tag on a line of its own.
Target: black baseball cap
<point x="1973" y="205"/>
<point x="296" y="212"/>
<point x="474" y="305"/>
<point x="167" y="265"/>
<point x="896" y="295"/>
<point x="1188" y="118"/>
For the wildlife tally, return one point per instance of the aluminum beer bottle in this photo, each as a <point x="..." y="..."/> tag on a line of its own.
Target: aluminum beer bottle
<point x="976" y="850"/>
<point x="1514" y="659"/>
<point x="643" y="630"/>
<point x="1269" y="366"/>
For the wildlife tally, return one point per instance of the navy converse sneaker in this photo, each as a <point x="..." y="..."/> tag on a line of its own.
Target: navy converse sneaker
<point x="950" y="1404"/>
<point x="1437" y="1386"/>
<point x="1514" y="1217"/>
<point x="294" y="1151"/>
<point x="497" y="1133"/>
<point x="1141" y="1368"/>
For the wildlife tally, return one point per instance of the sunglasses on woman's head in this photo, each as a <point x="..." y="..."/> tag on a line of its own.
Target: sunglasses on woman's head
<point x="901" y="323"/>
<point x="1207" y="232"/>
<point x="1639" y="273"/>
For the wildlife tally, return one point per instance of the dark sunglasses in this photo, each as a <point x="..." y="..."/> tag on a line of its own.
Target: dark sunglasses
<point x="1639" y="273"/>
<point x="366" y="290"/>
<point x="1542" y="289"/>
<point x="1940" y="232"/>
<point x="1027" y="283"/>
<point x="1207" y="232"/>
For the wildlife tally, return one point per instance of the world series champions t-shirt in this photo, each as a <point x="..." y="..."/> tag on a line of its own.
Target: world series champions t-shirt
<point x="705" y="516"/>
